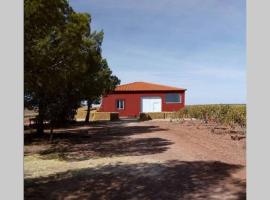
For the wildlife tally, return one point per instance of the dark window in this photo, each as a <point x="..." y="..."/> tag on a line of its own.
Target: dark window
<point x="120" y="104"/>
<point x="173" y="98"/>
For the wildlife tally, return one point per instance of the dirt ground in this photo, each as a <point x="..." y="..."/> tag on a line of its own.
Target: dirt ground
<point x="136" y="160"/>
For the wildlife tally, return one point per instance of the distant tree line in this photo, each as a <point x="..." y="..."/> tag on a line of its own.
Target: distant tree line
<point x="63" y="64"/>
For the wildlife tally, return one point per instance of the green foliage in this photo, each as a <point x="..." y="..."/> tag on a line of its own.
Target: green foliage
<point x="99" y="83"/>
<point x="224" y="114"/>
<point x="63" y="61"/>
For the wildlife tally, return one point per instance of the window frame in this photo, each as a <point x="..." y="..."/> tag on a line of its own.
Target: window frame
<point x="123" y="103"/>
<point x="169" y="102"/>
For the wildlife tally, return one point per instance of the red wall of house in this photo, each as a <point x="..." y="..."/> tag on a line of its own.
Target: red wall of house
<point x="133" y="103"/>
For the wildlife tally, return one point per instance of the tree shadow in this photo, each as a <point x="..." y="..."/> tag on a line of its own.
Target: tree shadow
<point x="83" y="144"/>
<point x="76" y="124"/>
<point x="167" y="181"/>
<point x="114" y="147"/>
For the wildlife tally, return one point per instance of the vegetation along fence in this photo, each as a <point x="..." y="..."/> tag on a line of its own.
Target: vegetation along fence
<point x="234" y="114"/>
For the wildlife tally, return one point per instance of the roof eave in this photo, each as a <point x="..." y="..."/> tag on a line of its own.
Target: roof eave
<point x="180" y="90"/>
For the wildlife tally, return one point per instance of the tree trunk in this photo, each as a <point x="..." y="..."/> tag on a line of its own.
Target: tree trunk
<point x="89" y="104"/>
<point x="40" y="125"/>
<point x="40" y="119"/>
<point x="51" y="132"/>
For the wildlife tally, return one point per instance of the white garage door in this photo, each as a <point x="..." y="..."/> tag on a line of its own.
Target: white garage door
<point x="151" y="104"/>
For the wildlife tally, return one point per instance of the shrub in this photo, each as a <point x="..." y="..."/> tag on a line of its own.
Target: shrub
<point x="221" y="113"/>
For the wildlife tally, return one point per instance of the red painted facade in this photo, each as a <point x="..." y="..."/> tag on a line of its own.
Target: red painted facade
<point x="132" y="101"/>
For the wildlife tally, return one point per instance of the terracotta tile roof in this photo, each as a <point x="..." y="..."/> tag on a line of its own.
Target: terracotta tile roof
<point x="143" y="86"/>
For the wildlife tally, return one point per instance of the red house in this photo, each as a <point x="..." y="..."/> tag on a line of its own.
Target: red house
<point x="131" y="99"/>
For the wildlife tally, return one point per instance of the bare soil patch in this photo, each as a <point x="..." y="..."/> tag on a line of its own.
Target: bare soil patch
<point x="135" y="160"/>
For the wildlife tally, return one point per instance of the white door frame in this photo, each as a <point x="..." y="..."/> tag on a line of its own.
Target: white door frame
<point x="149" y="97"/>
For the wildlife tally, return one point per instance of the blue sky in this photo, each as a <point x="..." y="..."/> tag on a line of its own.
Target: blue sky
<point x="199" y="45"/>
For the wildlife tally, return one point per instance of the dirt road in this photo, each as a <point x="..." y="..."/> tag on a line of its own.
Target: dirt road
<point x="194" y="143"/>
<point x="135" y="160"/>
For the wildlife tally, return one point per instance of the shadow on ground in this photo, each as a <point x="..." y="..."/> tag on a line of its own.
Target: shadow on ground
<point x="168" y="181"/>
<point x="101" y="140"/>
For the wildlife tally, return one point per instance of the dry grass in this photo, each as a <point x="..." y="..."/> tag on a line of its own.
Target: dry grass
<point x="81" y="113"/>
<point x="35" y="166"/>
<point x="156" y="115"/>
<point x="28" y="114"/>
<point x="227" y="114"/>
<point x="94" y="115"/>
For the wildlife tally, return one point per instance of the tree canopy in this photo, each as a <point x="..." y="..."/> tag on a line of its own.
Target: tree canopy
<point x="63" y="61"/>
